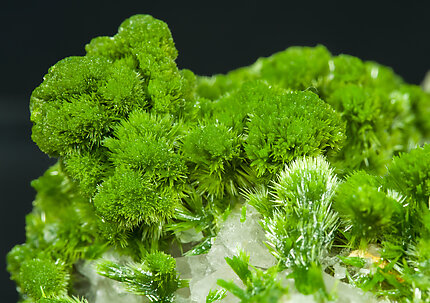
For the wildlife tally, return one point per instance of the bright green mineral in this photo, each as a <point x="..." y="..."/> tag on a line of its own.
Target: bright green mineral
<point x="323" y="158"/>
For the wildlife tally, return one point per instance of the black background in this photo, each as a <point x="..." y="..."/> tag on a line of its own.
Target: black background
<point x="211" y="37"/>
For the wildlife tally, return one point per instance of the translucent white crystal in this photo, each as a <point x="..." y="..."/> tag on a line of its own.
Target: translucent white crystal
<point x="339" y="271"/>
<point x="201" y="287"/>
<point x="248" y="236"/>
<point x="203" y="277"/>
<point x="189" y="236"/>
<point x="300" y="298"/>
<point x="347" y="293"/>
<point x="183" y="268"/>
<point x="205" y="270"/>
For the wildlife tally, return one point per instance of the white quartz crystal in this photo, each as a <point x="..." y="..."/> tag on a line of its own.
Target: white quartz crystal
<point x="346" y="293"/>
<point x="300" y="298"/>
<point x="205" y="270"/>
<point x="339" y="271"/>
<point x="247" y="236"/>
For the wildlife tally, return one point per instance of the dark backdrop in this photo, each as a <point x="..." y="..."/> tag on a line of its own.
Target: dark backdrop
<point x="211" y="38"/>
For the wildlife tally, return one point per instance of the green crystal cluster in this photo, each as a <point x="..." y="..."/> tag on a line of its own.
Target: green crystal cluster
<point x="330" y="150"/>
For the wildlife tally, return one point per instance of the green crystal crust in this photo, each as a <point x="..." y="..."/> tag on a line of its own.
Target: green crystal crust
<point x="329" y="150"/>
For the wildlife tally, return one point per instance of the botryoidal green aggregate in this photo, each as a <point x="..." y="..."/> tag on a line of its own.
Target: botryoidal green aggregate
<point x="330" y="150"/>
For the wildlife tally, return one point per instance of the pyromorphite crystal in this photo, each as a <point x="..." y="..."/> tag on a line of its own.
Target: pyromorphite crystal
<point x="256" y="185"/>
